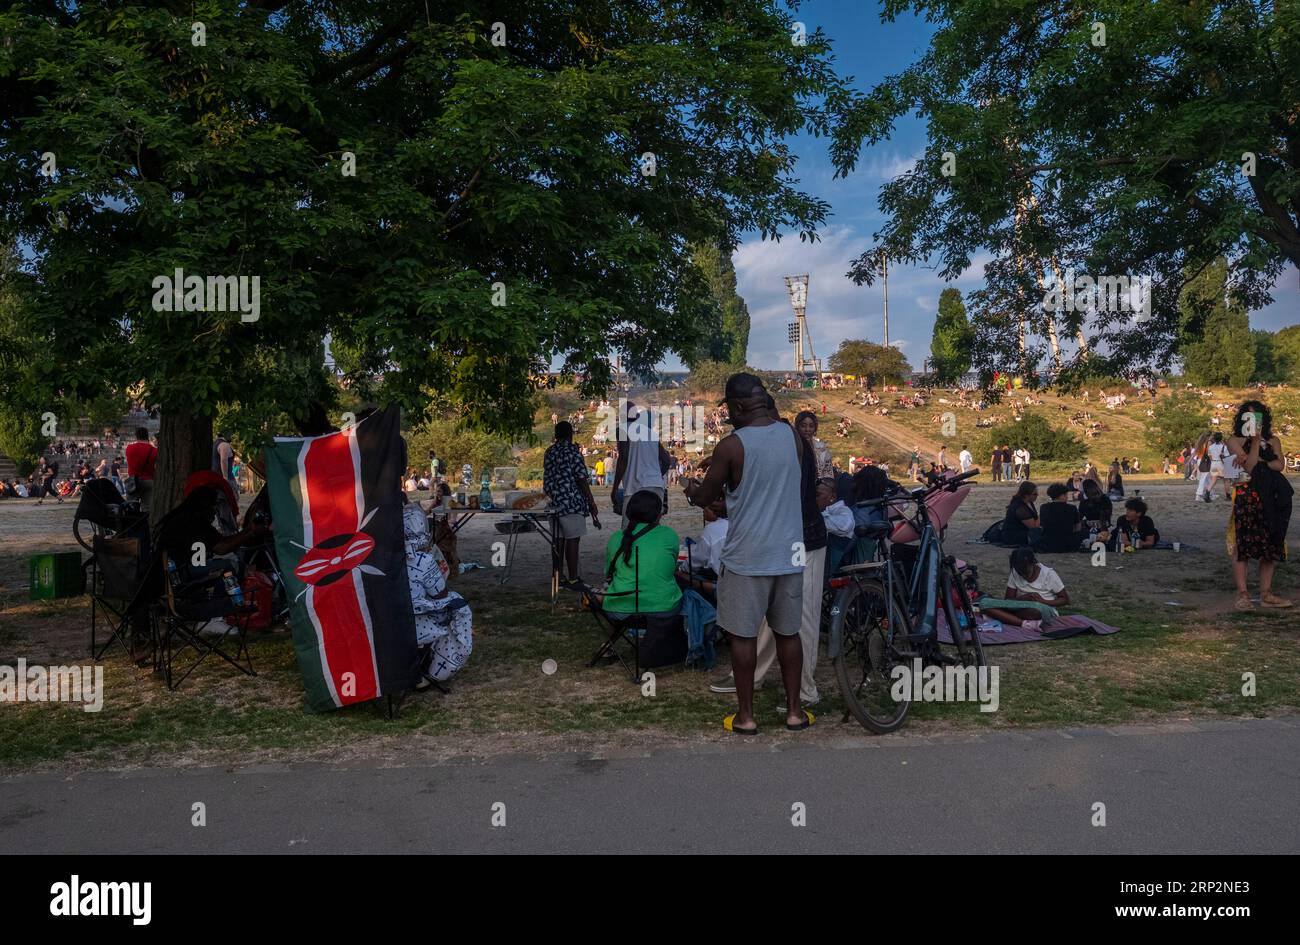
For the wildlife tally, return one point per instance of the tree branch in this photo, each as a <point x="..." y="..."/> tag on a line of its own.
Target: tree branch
<point x="340" y="66"/>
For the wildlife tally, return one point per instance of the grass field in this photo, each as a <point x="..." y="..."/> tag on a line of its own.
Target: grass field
<point x="1181" y="654"/>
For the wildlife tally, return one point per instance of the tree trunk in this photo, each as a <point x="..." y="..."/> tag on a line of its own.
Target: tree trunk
<point x="1052" y="337"/>
<point x="184" y="447"/>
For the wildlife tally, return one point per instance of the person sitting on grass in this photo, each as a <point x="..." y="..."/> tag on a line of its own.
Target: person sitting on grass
<point x="1060" y="521"/>
<point x="1135" y="528"/>
<point x="641" y="563"/>
<point x="1033" y="593"/>
<point x="1021" y="525"/>
<point x="1115" y="483"/>
<point x="1096" y="510"/>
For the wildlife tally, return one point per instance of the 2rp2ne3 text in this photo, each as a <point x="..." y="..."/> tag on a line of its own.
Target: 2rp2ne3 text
<point x="1193" y="887"/>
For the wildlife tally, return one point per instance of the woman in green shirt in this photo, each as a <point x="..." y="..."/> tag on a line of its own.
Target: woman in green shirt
<point x="641" y="561"/>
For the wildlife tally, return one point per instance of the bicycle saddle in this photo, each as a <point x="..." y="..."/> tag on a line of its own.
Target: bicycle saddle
<point x="875" y="530"/>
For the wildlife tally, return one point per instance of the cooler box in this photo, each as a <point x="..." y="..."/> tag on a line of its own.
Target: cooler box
<point x="258" y="591"/>
<point x="56" y="575"/>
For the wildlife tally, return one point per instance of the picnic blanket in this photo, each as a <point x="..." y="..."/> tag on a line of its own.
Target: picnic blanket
<point x="1058" y="628"/>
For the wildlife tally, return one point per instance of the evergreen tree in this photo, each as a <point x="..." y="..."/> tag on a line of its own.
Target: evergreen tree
<point x="727" y="333"/>
<point x="950" y="345"/>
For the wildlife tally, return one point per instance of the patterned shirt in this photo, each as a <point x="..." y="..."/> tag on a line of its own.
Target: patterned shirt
<point x="563" y="469"/>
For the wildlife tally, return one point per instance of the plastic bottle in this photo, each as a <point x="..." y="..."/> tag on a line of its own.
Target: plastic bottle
<point x="233" y="589"/>
<point x="485" y="495"/>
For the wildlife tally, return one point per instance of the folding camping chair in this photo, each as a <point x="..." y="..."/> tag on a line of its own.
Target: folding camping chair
<point x="654" y="637"/>
<point x="117" y="571"/>
<point x="116" y="533"/>
<point x="185" y="609"/>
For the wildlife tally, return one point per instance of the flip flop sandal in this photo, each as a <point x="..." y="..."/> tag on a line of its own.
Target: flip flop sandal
<point x="728" y="724"/>
<point x="1272" y="600"/>
<point x="808" y="720"/>
<point x="1244" y="602"/>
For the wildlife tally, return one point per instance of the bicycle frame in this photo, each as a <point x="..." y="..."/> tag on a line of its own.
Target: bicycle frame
<point x="922" y="615"/>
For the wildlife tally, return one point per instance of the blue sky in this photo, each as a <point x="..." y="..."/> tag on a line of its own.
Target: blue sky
<point x="837" y="309"/>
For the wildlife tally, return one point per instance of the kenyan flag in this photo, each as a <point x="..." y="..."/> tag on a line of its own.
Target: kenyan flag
<point x="337" y="506"/>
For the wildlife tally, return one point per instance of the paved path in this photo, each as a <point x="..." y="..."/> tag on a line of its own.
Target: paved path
<point x="1206" y="787"/>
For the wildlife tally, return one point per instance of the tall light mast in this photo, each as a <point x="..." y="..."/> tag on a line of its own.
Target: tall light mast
<point x="799" y="335"/>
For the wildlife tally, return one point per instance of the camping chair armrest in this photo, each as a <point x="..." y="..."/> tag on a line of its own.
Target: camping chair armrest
<point x="186" y="587"/>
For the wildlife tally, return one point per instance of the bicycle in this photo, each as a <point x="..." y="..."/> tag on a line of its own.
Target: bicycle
<point x="884" y="616"/>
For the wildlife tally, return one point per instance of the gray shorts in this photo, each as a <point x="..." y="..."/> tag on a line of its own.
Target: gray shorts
<point x="745" y="599"/>
<point x="573" y="526"/>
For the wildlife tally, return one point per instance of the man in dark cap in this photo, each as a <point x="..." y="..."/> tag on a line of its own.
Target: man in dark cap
<point x="758" y="470"/>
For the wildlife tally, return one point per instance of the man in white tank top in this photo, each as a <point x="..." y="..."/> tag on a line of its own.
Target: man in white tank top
<point x="759" y="469"/>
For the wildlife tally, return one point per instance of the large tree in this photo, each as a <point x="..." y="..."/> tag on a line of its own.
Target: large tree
<point x="1124" y="137"/>
<point x="457" y="193"/>
<point x="874" y="363"/>
<point x="950" y="344"/>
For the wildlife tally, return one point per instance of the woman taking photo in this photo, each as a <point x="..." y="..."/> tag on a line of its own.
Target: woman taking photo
<point x="1261" y="503"/>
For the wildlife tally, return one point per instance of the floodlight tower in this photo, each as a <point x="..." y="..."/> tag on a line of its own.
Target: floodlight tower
<point x="801" y="338"/>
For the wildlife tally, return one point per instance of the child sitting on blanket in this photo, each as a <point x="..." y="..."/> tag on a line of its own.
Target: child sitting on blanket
<point x="1034" y="591"/>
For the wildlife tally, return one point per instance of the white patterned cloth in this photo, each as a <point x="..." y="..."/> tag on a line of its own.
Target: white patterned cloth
<point x="442" y="618"/>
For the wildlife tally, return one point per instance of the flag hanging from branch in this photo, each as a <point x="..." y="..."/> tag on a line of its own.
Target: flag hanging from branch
<point x="337" y="507"/>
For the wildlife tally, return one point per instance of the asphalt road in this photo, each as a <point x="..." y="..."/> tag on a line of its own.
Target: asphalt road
<point x="1206" y="787"/>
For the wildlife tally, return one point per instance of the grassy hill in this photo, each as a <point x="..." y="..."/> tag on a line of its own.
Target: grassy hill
<point x="891" y="438"/>
<point x="1123" y="432"/>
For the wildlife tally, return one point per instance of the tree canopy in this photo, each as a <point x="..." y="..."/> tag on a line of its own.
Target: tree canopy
<point x="455" y="194"/>
<point x="877" y="364"/>
<point x="1119" y="138"/>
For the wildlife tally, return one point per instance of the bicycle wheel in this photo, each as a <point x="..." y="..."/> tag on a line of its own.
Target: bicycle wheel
<point x="967" y="640"/>
<point x="862" y="615"/>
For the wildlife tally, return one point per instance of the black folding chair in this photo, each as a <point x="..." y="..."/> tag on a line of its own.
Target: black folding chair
<point x="187" y="606"/>
<point x="117" y="570"/>
<point x="632" y="630"/>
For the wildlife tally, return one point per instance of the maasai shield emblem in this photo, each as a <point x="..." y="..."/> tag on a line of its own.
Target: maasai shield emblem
<point x="336" y="503"/>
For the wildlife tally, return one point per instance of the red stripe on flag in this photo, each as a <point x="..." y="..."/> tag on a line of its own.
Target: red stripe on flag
<point x="330" y="484"/>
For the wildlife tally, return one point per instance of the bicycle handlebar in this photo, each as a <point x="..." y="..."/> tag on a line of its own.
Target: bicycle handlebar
<point x="916" y="495"/>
